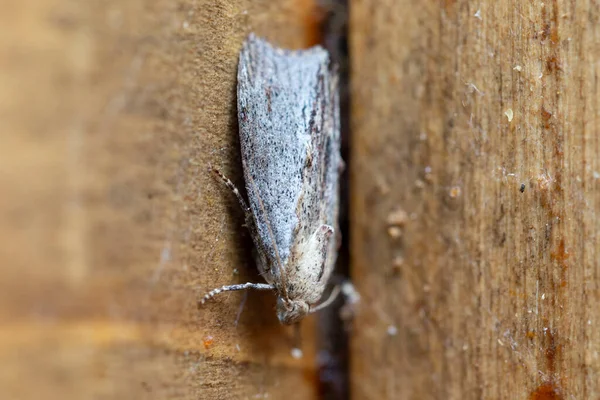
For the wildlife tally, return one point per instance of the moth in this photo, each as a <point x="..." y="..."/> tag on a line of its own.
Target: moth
<point x="288" y="112"/>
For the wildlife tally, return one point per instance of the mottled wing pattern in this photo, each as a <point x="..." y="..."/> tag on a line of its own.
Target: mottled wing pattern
<point x="333" y="165"/>
<point x="281" y="113"/>
<point x="319" y="204"/>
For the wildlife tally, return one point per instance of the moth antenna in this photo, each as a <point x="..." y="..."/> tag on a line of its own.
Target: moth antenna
<point x="334" y="294"/>
<point x="231" y="187"/>
<point x="230" y="288"/>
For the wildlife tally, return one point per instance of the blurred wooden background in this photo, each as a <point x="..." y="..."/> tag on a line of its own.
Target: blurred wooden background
<point x="473" y="172"/>
<point x="475" y="177"/>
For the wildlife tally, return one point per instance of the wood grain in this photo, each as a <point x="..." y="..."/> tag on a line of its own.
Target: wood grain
<point x="112" y="229"/>
<point x="474" y="217"/>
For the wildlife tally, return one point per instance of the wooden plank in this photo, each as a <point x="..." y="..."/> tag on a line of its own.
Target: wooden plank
<point x="112" y="228"/>
<point x="475" y="177"/>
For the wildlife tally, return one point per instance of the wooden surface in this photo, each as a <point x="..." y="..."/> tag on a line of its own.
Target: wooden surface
<point x="475" y="178"/>
<point x="111" y="227"/>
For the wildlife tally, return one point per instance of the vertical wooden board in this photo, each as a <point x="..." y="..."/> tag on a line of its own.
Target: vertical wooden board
<point x="112" y="228"/>
<point x="475" y="175"/>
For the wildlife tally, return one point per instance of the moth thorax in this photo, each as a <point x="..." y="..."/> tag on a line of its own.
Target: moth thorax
<point x="291" y="311"/>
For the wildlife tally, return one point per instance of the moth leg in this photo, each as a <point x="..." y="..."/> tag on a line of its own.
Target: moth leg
<point x="334" y="294"/>
<point x="229" y="288"/>
<point x="234" y="189"/>
<point x="249" y="220"/>
<point x="347" y="289"/>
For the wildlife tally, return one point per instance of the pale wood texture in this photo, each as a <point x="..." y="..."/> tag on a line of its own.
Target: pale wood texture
<point x="112" y="229"/>
<point x="474" y="208"/>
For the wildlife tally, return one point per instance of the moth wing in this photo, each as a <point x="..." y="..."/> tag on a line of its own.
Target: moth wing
<point x="332" y="167"/>
<point x="281" y="115"/>
<point x="315" y="246"/>
<point x="320" y="199"/>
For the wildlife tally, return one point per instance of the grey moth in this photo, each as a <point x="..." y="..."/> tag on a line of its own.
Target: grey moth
<point x="288" y="112"/>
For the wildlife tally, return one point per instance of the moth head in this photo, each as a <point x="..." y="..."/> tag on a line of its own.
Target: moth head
<point x="291" y="311"/>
